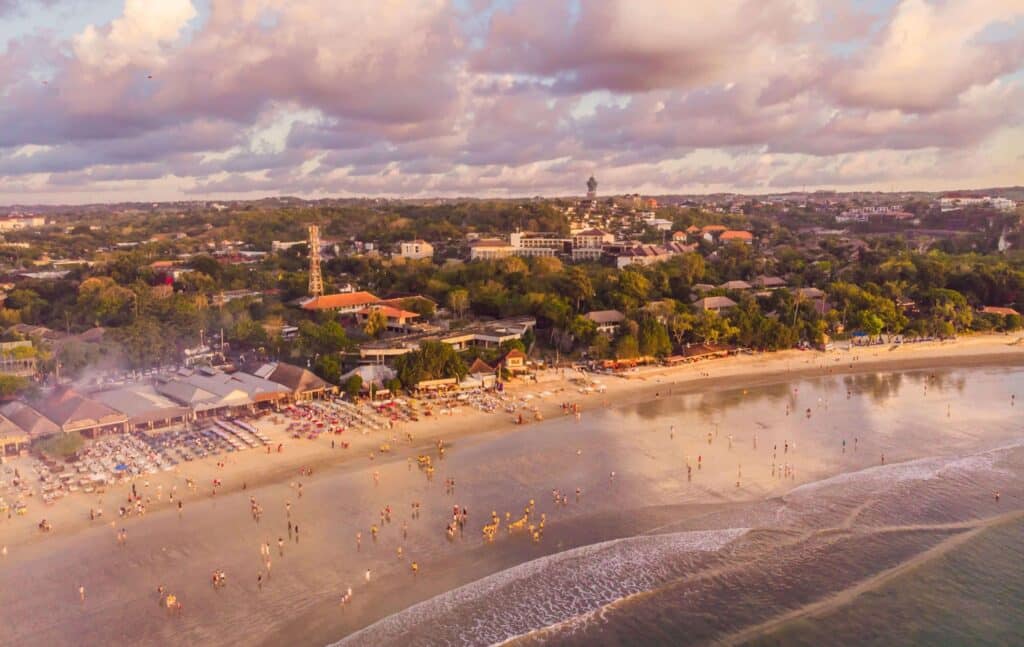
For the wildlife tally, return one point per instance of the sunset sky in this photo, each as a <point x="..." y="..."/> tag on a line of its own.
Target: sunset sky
<point x="249" y="98"/>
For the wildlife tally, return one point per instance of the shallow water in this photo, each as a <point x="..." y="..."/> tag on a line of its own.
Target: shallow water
<point x="648" y="556"/>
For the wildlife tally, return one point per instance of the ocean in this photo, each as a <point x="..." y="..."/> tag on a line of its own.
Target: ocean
<point x="917" y="552"/>
<point x="838" y="510"/>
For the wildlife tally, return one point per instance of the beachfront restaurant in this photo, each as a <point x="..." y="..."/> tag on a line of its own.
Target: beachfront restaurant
<point x="72" y="411"/>
<point x="303" y="383"/>
<point x="13" y="439"/>
<point x="209" y="392"/>
<point x="146" y="409"/>
<point x="30" y="421"/>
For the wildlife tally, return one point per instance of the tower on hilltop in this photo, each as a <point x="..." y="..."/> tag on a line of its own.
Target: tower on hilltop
<point x="316" y="279"/>
<point x="591" y="188"/>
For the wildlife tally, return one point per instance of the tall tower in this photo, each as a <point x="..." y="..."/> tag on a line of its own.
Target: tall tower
<point x="316" y="280"/>
<point x="591" y="188"/>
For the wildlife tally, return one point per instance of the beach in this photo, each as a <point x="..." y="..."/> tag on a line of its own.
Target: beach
<point x="764" y="438"/>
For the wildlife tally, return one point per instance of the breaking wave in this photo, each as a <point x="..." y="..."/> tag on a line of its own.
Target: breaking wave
<point x="545" y="591"/>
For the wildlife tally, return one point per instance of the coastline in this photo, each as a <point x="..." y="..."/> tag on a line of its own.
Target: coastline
<point x="500" y="466"/>
<point x="251" y="470"/>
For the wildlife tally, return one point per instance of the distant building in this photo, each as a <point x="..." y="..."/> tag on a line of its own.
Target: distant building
<point x="398" y="320"/>
<point x="588" y="245"/>
<point x="736" y="236"/>
<point x="735" y="285"/>
<point x="416" y="249"/>
<point x="16" y="221"/>
<point x="607" y="321"/>
<point x="715" y="304"/>
<point x="345" y="303"/>
<point x="489" y="249"/>
<point x="955" y="202"/>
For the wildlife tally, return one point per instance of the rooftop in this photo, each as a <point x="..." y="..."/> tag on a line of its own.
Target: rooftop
<point x="344" y="300"/>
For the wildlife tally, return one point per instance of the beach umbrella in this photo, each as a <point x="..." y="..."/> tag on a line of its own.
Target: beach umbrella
<point x="120" y="467"/>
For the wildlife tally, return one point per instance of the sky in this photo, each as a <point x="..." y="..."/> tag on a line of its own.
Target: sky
<point x="153" y="100"/>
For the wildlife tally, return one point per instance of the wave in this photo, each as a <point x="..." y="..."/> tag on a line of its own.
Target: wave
<point x="923" y="469"/>
<point x="546" y="591"/>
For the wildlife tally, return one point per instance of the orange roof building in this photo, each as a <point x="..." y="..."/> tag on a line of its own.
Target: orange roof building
<point x="347" y="302"/>
<point x="736" y="236"/>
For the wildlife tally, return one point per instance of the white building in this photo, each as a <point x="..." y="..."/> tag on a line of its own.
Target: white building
<point x="16" y="221"/>
<point x="416" y="249"/>
<point x="953" y="203"/>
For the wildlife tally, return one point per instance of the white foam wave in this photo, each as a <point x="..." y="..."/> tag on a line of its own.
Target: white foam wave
<point x="880" y="477"/>
<point x="548" y="590"/>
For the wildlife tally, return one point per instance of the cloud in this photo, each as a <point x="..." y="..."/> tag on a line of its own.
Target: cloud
<point x="509" y="97"/>
<point x="930" y="53"/>
<point x="136" y="38"/>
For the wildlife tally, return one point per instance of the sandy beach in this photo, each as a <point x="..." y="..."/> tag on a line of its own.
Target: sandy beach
<point x="719" y="418"/>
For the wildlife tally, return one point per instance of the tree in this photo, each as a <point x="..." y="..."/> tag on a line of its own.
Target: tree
<point x="458" y="302"/>
<point x="578" y="286"/>
<point x="376" y="323"/>
<point x="633" y="289"/>
<point x="433" y="360"/>
<point x="653" y="339"/>
<point x="712" y="328"/>
<point x="626" y="347"/>
<point x="328" y="367"/>
<point x="353" y="385"/>
<point x="680" y="325"/>
<point x="12" y="385"/>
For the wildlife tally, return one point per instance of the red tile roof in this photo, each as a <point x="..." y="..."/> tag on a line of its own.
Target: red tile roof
<point x="336" y="301"/>
<point x="736" y="235"/>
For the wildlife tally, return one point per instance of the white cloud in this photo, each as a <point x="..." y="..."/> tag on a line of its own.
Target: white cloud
<point x="930" y="53"/>
<point x="138" y="37"/>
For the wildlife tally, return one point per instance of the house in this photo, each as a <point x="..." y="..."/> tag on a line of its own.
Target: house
<point x="715" y="304"/>
<point x="735" y="285"/>
<point x="344" y="303"/>
<point x="607" y="321"/>
<point x="398" y="320"/>
<point x="481" y="375"/>
<point x="769" y="282"/>
<point x="303" y="383"/>
<point x="514" y="361"/>
<point x="480" y="367"/>
<point x="679" y="236"/>
<point x="72" y="411"/>
<point x="711" y="233"/>
<point x="736" y="236"/>
<point x="816" y="297"/>
<point x="17" y="358"/>
<point x="416" y="249"/>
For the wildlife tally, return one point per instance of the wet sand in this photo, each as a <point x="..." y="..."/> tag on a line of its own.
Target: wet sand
<point x="500" y="470"/>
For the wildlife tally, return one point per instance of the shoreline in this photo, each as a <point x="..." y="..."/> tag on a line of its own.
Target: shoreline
<point x="737" y="372"/>
<point x="630" y="459"/>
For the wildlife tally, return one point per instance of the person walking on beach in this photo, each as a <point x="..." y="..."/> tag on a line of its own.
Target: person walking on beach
<point x="280" y="547"/>
<point x="81" y="592"/>
<point x="259" y="581"/>
<point x="367" y="576"/>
